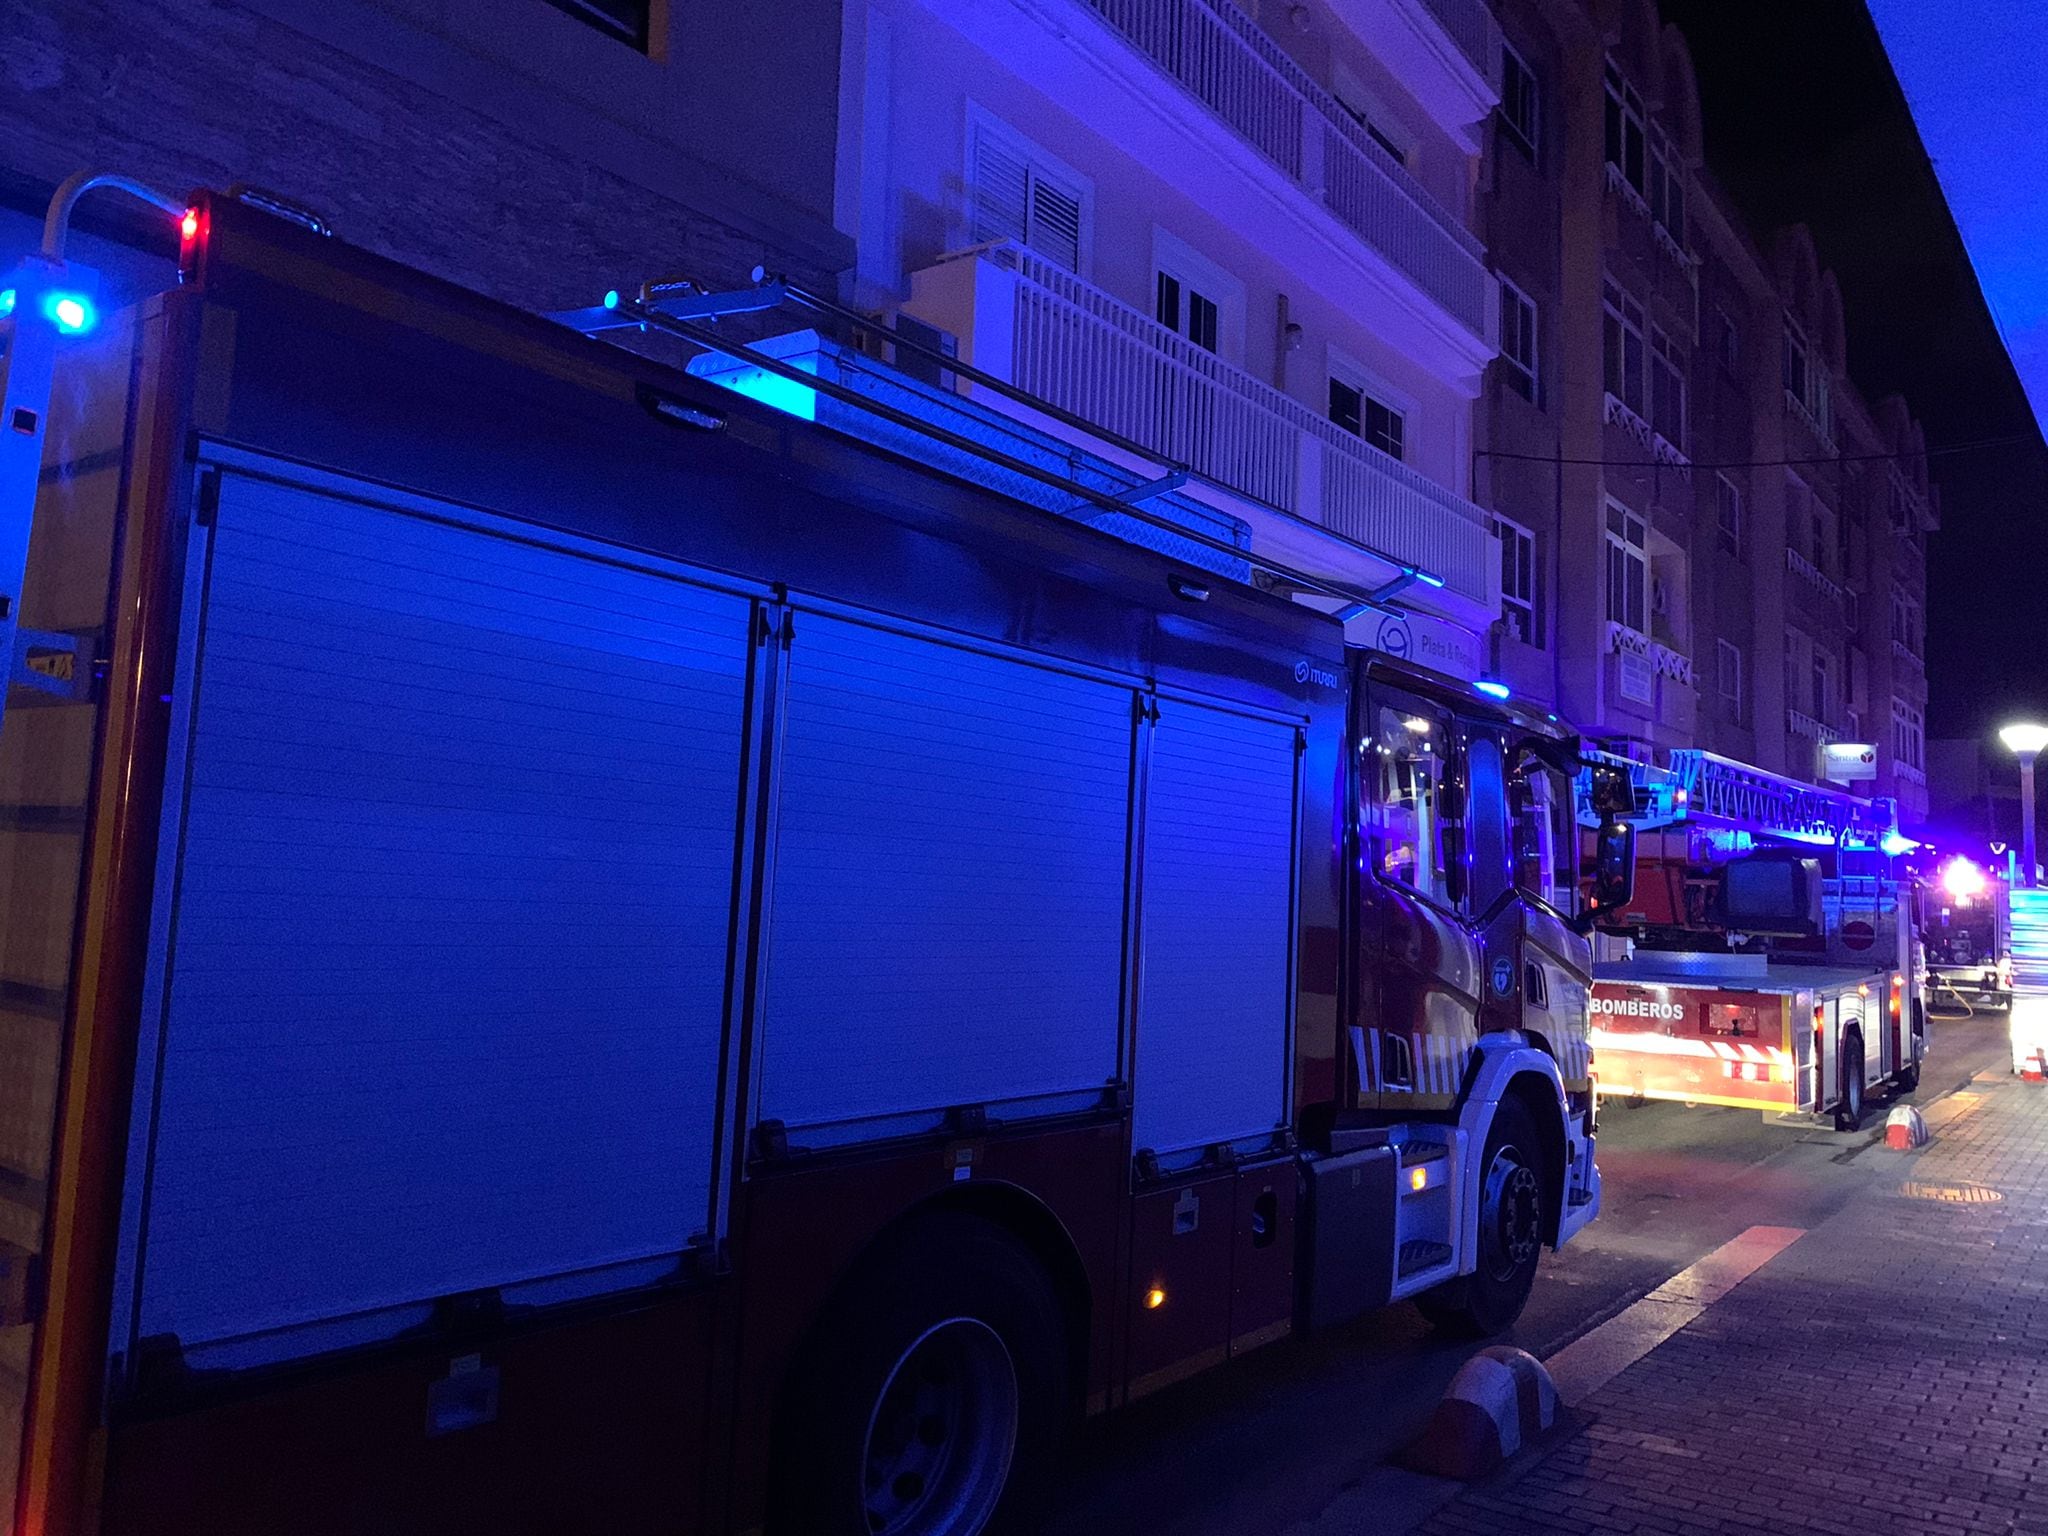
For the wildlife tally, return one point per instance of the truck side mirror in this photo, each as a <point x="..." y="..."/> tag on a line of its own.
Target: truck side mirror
<point x="1614" y="873"/>
<point x="1614" y="867"/>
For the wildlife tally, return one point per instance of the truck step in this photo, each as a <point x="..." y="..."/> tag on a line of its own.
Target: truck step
<point x="1419" y="1253"/>
<point x="1414" y="1152"/>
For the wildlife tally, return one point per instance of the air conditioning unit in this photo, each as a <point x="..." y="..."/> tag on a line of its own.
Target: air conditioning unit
<point x="917" y="360"/>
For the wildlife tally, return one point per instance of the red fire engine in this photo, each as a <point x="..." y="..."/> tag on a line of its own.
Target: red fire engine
<point x="584" y="954"/>
<point x="1766" y="957"/>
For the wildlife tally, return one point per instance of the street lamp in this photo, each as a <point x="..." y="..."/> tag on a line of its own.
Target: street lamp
<point x="2025" y="741"/>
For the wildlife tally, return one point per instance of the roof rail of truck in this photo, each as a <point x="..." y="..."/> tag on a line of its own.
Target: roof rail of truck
<point x="686" y="310"/>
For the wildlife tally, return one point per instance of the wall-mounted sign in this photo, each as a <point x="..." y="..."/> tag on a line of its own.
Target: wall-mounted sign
<point x="1636" y="677"/>
<point x="1428" y="642"/>
<point x="1849" y="762"/>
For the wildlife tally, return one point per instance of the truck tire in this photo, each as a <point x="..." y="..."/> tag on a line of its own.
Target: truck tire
<point x="1849" y="1108"/>
<point x="933" y="1396"/>
<point x="1511" y="1223"/>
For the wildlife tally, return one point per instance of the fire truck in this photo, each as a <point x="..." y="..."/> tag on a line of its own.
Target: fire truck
<point x="583" y="952"/>
<point x="1966" y="927"/>
<point x="1766" y="956"/>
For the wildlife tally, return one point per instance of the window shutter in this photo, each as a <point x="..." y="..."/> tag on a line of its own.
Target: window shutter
<point x="1002" y="190"/>
<point x="1055" y="231"/>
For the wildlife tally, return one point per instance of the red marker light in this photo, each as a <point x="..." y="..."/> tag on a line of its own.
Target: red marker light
<point x="188" y="227"/>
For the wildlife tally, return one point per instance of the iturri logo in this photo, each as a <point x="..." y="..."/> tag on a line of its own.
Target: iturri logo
<point x="1304" y="673"/>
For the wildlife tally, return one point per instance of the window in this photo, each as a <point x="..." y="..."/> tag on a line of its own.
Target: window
<point x="1485" y="846"/>
<point x="630" y="21"/>
<point x="1621" y="349"/>
<point x="1908" y="735"/>
<point x="1370" y="113"/>
<point x="1518" y="338"/>
<point x="1408" y="766"/>
<point x="1727" y="341"/>
<point x="1519" y="114"/>
<point x="1805" y="531"/>
<point x="1667" y="189"/>
<point x="1728" y="514"/>
<point x="1823" y="686"/>
<point x="1906" y="625"/>
<point x="1195" y="297"/>
<point x="1901" y="505"/>
<point x="1187" y="311"/>
<point x="1362" y="415"/>
<point x="1625" y="129"/>
<point x="1518" y="610"/>
<point x="1806" y="379"/>
<point x="1021" y="193"/>
<point x="1728" y="677"/>
<point x="1667" y="391"/>
<point x="1628" y="569"/>
<point x="1546" y="838"/>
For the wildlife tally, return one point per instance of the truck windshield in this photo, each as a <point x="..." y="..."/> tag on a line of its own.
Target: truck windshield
<point x="1407" y="763"/>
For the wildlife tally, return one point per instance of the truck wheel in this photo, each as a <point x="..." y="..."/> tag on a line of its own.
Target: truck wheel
<point x="1909" y="1075"/>
<point x="1849" y="1111"/>
<point x="934" y="1394"/>
<point x="1488" y="1300"/>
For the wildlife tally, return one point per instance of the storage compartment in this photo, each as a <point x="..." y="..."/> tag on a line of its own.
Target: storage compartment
<point x="1181" y="1239"/>
<point x="1262" y="1263"/>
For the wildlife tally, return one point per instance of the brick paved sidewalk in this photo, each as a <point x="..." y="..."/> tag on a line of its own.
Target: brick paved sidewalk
<point x="1887" y="1372"/>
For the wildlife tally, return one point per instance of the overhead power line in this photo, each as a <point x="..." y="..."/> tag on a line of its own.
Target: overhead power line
<point x="1978" y="446"/>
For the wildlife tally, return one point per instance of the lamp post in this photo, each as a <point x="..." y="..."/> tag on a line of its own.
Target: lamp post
<point x="2025" y="741"/>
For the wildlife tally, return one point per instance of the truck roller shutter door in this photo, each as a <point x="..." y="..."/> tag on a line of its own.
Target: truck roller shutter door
<point x="446" y="990"/>
<point x="952" y="837"/>
<point x="1215" y="998"/>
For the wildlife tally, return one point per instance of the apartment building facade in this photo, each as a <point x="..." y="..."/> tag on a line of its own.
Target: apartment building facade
<point x="536" y="150"/>
<point x="1235" y="239"/>
<point x="1726" y="548"/>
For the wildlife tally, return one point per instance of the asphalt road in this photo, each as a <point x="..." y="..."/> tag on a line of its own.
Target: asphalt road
<point x="1271" y="1440"/>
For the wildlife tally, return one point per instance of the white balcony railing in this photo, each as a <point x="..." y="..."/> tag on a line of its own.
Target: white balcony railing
<point x="1219" y="54"/>
<point x="1800" y="724"/>
<point x="1822" y="584"/>
<point x="1904" y="652"/>
<point x="1097" y="358"/>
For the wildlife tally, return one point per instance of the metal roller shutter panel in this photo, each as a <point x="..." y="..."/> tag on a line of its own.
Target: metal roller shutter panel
<point x="447" y="978"/>
<point x="1214" y="998"/>
<point x="950" y="870"/>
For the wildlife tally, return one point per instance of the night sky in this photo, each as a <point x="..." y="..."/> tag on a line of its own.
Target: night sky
<point x="1805" y="120"/>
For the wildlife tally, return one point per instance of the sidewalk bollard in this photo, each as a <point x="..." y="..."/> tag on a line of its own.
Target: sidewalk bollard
<point x="1500" y="1400"/>
<point x="1905" y="1129"/>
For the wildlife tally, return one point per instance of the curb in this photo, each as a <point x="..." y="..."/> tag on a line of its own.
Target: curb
<point x="1501" y="1400"/>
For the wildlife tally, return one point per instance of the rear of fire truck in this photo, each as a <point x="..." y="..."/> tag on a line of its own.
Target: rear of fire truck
<point x="1766" y="960"/>
<point x="1966" y="926"/>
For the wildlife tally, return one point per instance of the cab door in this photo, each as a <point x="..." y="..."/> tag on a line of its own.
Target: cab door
<point x="1489" y="898"/>
<point x="1420" y="962"/>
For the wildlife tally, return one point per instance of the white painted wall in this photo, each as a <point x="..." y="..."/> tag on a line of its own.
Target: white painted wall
<point x="915" y="145"/>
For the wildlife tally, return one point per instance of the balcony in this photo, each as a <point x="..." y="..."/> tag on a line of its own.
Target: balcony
<point x="1804" y="728"/>
<point x="1814" y="578"/>
<point x="1823" y="432"/>
<point x="1068" y="343"/>
<point x="1905" y="653"/>
<point x="1219" y="55"/>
